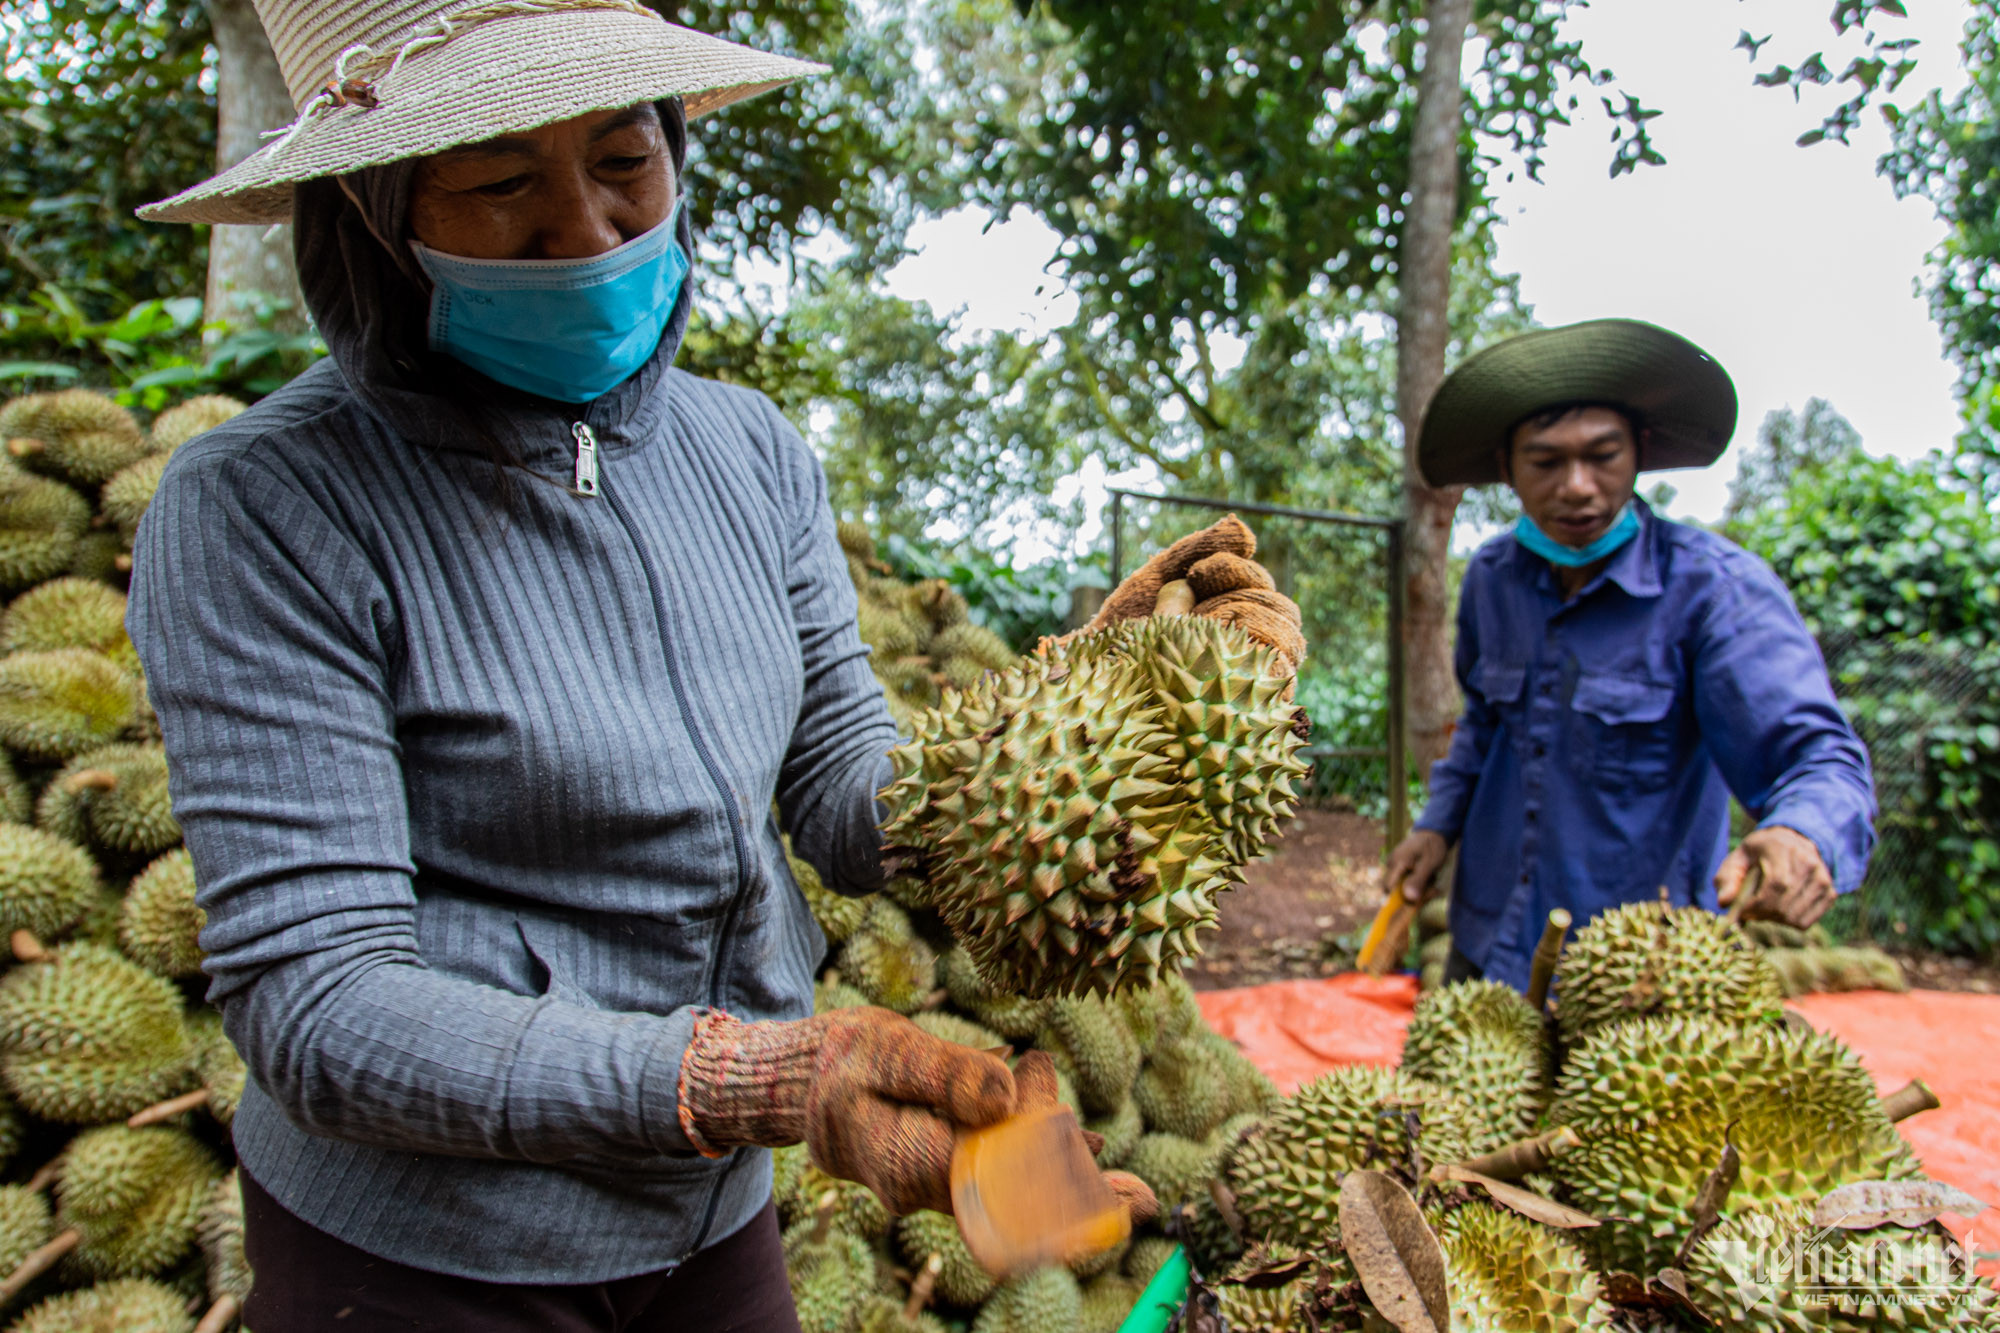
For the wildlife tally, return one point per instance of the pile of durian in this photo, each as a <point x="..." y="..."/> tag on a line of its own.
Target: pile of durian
<point x="116" y="1081"/>
<point x="921" y="636"/>
<point x="1647" y="1156"/>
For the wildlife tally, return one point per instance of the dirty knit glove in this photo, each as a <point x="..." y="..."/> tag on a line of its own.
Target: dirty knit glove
<point x="872" y="1096"/>
<point x="1228" y="585"/>
<point x="1035" y="1086"/>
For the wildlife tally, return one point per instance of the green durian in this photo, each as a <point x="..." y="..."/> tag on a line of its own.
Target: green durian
<point x="838" y="915"/>
<point x="68" y="612"/>
<point x="1107" y="1301"/>
<point x="1510" y="1275"/>
<point x="46" y="883"/>
<point x="17" y="801"/>
<point x="960" y="1280"/>
<point x="884" y="960"/>
<point x="101" y="918"/>
<point x="856" y="1210"/>
<point x="961" y="673"/>
<point x="1645" y="960"/>
<point x="787" y="1165"/>
<point x="160" y="924"/>
<point x="831" y="993"/>
<point x="1286" y="1175"/>
<point x="963" y="1031"/>
<point x="126" y="496"/>
<point x="938" y="602"/>
<point x="1166" y="1011"/>
<point x="1143" y="1260"/>
<point x="1087" y="1038"/>
<point x="1818" y="968"/>
<point x="1279" y="1309"/>
<point x="1120" y="1128"/>
<point x="90" y="1036"/>
<point x="75" y="435"/>
<point x="220" y="1069"/>
<point x="40" y="523"/>
<point x="99" y="557"/>
<point x="1014" y="1017"/>
<point x="1653" y="1101"/>
<point x="1483" y="1041"/>
<point x="26" y="1224"/>
<point x="1184" y="1088"/>
<point x="1251" y="1091"/>
<point x="885" y="1314"/>
<point x="1087" y="1266"/>
<point x="855" y="539"/>
<point x="1076" y="816"/>
<point x="113" y="799"/>
<point x="975" y="643"/>
<point x="183" y="421"/>
<point x="136" y="1198"/>
<point x="220" y="1233"/>
<point x="56" y="705"/>
<point x="887" y="631"/>
<point x="127" y="1306"/>
<point x="832" y="1272"/>
<point x="1178" y="1169"/>
<point x="1772" y="1271"/>
<point x="1047" y="1300"/>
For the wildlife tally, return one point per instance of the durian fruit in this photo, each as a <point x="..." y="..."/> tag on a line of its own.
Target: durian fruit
<point x="126" y="496"/>
<point x="1177" y="1169"/>
<point x="1483" y="1041"/>
<point x="183" y="421"/>
<point x="787" y="1165"/>
<point x="90" y="1036"/>
<point x="56" y="705"/>
<point x="856" y="1210"/>
<point x="219" y="1069"/>
<point x="1146" y="1256"/>
<point x="832" y="1271"/>
<point x="831" y="993"/>
<point x="1286" y="1175"/>
<point x="963" y="1031"/>
<point x="113" y="799"/>
<point x="127" y="1306"/>
<point x="1183" y="1089"/>
<point x="1648" y="960"/>
<point x="961" y="1281"/>
<point x="1087" y="1038"/>
<point x="837" y="914"/>
<point x="1014" y="1017"/>
<point x="220" y="1233"/>
<point x="40" y="523"/>
<point x="1107" y="1301"/>
<point x="1251" y="1091"/>
<point x="74" y="434"/>
<point x="134" y="1197"/>
<point x="160" y="922"/>
<point x="1166" y="1011"/>
<point x="68" y="612"/>
<point x="1120" y="1129"/>
<point x="1653" y="1101"/>
<point x="884" y="960"/>
<point x="99" y="557"/>
<point x="1772" y="1271"/>
<point x="46" y="884"/>
<point x="17" y="802"/>
<point x="1076" y="817"/>
<point x="11" y="1129"/>
<point x="1510" y="1275"/>
<point x="886" y="1314"/>
<point x="26" y="1224"/>
<point x="1044" y="1301"/>
<point x="1290" y="1307"/>
<point x="1814" y="969"/>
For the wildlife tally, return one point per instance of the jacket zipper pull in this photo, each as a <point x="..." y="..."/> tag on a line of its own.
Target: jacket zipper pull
<point x="586" y="458"/>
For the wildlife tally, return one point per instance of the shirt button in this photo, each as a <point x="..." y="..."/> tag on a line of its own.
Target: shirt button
<point x="1541" y="750"/>
<point x="1531" y="816"/>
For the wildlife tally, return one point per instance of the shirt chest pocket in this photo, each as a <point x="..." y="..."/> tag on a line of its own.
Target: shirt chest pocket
<point x="1624" y="732"/>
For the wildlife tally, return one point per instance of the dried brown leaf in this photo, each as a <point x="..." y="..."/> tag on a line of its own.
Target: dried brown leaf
<point x="1525" y="1202"/>
<point x="1903" y="1203"/>
<point x="1399" y="1259"/>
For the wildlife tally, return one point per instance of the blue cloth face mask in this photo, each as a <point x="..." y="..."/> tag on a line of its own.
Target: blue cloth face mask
<point x="1623" y="529"/>
<point x="567" y="329"/>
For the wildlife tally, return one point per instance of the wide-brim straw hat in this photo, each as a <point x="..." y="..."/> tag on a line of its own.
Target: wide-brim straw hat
<point x="377" y="81"/>
<point x="1678" y="393"/>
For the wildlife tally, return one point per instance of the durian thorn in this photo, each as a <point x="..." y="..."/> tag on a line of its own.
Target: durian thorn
<point x="220" y="1315"/>
<point x="823" y="1215"/>
<point x="27" y="948"/>
<point x="1547" y="953"/>
<point x="37" y="1263"/>
<point x="920" y="1290"/>
<point x="1909" y="1099"/>
<point x="21" y="446"/>
<point x="45" y="1177"/>
<point x="91" y="779"/>
<point x="168" y="1109"/>
<point x="1525" y="1156"/>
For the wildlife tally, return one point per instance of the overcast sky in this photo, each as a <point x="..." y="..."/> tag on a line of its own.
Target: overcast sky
<point x="1793" y="266"/>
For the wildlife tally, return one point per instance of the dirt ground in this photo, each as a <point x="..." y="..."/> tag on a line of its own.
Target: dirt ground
<point x="1303" y="909"/>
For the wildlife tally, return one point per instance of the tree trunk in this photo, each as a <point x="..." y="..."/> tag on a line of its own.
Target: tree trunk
<point x="1423" y="330"/>
<point x="248" y="267"/>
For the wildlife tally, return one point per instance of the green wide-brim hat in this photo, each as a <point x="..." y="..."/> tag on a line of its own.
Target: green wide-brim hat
<point x="1676" y="392"/>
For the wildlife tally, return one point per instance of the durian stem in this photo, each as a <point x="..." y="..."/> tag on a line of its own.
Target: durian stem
<point x="1225" y="1206"/>
<point x="220" y="1315"/>
<point x="1175" y="599"/>
<point x="38" y="1263"/>
<point x="920" y="1290"/>
<point x="934" y="1001"/>
<point x="823" y="1216"/>
<point x="27" y="948"/>
<point x="168" y="1109"/>
<point x="45" y="1177"/>
<point x="23" y="445"/>
<point x="91" y="779"/>
<point x="1909" y="1099"/>
<point x="1525" y="1156"/>
<point x="122" y="563"/>
<point x="1547" y="954"/>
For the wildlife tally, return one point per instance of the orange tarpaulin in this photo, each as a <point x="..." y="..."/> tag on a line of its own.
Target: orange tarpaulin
<point x="1295" y="1030"/>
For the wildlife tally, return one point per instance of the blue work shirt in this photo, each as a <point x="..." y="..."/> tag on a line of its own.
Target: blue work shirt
<point x="1602" y="736"/>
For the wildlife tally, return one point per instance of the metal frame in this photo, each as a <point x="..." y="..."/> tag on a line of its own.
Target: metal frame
<point x="1392" y="749"/>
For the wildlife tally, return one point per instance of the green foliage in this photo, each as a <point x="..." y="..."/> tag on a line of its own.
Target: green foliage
<point x="1020" y="604"/>
<point x="1897" y="569"/>
<point x="1789" y="445"/>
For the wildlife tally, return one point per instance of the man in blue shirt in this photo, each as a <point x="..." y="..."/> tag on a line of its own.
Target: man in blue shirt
<point x="1623" y="674"/>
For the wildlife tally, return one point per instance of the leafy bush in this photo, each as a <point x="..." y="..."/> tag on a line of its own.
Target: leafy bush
<point x="1897" y="569"/>
<point x="1019" y="604"/>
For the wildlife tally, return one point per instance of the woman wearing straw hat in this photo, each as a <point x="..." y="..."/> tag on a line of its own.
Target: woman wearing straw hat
<point x="1624" y="676"/>
<point x="482" y="651"/>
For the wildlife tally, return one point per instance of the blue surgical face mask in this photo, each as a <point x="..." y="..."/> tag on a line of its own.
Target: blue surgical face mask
<point x="1623" y="529"/>
<point x="567" y="329"/>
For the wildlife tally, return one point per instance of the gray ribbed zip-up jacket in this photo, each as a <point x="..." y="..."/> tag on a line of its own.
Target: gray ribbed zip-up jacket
<point x="478" y="788"/>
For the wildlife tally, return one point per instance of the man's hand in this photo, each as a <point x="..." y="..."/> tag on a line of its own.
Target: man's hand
<point x="1414" y="864"/>
<point x="1797" y="887"/>
<point x="1227" y="584"/>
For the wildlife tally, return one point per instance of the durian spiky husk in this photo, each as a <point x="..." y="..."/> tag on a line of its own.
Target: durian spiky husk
<point x="1483" y="1041"/>
<point x="160" y="923"/>
<point x="1044" y="1301"/>
<point x="132" y="1305"/>
<point x="220" y="1069"/>
<point x="831" y="1275"/>
<point x="1510" y="1275"/>
<point x="56" y="705"/>
<point x="183" y="421"/>
<point x="91" y="1036"/>
<point x="1076" y="817"/>
<point x="960" y="1281"/>
<point x="1107" y="1301"/>
<point x="68" y="612"/>
<point x="1653" y="1100"/>
<point x="127" y="495"/>
<point x="113" y="799"/>
<point x="137" y="1197"/>
<point x="221" y="1235"/>
<point x="77" y="435"/>
<point x="40" y="523"/>
<point x="25" y="1223"/>
<point x="46" y="883"/>
<point x="885" y="961"/>
<point x="1089" y="1041"/>
<point x="1748" y="1275"/>
<point x="837" y="915"/>
<point x="1644" y="960"/>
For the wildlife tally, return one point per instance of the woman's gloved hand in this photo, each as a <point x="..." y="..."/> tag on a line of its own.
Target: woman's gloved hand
<point x="872" y="1096"/>
<point x="1227" y="585"/>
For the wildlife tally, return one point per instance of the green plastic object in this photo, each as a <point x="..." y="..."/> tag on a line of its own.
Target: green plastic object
<point x="1162" y="1298"/>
